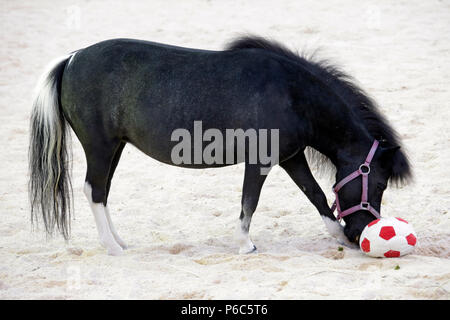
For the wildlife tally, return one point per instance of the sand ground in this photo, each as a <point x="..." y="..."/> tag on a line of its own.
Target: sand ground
<point x="180" y="223"/>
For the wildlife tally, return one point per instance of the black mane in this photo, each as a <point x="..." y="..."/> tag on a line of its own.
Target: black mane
<point x="345" y="87"/>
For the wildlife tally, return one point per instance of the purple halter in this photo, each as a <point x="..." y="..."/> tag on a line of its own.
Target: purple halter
<point x="363" y="170"/>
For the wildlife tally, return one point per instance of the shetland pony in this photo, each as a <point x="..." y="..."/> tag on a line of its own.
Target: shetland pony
<point x="130" y="91"/>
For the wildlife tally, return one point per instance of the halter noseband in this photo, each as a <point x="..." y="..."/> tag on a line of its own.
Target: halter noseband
<point x="363" y="170"/>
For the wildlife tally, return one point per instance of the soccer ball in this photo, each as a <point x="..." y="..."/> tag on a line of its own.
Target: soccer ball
<point x="388" y="237"/>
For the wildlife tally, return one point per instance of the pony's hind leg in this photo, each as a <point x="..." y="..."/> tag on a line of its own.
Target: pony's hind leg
<point x="253" y="182"/>
<point x="114" y="163"/>
<point x="99" y="163"/>
<point x="113" y="230"/>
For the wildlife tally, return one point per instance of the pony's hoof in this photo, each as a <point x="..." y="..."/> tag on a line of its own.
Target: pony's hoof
<point x="248" y="250"/>
<point x="113" y="248"/>
<point x="117" y="251"/>
<point x="122" y="244"/>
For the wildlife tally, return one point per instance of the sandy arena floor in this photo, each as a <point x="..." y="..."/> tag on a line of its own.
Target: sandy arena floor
<point x="180" y="223"/>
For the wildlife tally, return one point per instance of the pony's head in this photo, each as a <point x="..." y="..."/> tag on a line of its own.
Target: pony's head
<point x="359" y="186"/>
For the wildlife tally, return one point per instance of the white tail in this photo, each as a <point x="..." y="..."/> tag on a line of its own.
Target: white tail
<point x="49" y="186"/>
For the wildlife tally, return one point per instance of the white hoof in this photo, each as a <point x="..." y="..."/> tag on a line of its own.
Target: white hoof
<point x="112" y="247"/>
<point x="113" y="230"/>
<point x="248" y="249"/>
<point x="337" y="231"/>
<point x="117" y="251"/>
<point x="245" y="243"/>
<point x="121" y="242"/>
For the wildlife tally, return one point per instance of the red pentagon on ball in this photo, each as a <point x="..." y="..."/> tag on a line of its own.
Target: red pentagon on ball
<point x="387" y="232"/>
<point x="411" y="239"/>
<point x="365" y="245"/>
<point x="392" y="254"/>
<point x="400" y="219"/>
<point x="373" y="222"/>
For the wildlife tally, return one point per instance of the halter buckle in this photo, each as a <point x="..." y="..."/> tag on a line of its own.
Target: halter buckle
<point x="367" y="168"/>
<point x="364" y="205"/>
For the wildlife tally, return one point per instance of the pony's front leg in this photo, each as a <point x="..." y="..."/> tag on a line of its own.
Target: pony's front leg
<point x="298" y="169"/>
<point x="253" y="182"/>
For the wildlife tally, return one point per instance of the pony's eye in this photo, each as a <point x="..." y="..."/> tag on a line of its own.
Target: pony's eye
<point x="381" y="186"/>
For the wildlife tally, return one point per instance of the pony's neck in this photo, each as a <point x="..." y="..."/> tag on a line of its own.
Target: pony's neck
<point x="335" y="129"/>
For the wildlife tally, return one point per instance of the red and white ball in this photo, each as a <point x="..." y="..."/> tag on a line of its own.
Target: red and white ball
<point x="388" y="237"/>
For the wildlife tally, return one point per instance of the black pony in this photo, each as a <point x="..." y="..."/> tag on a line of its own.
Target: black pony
<point x="129" y="91"/>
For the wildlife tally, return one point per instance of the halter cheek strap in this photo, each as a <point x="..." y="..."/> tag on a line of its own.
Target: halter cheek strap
<point x="364" y="171"/>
